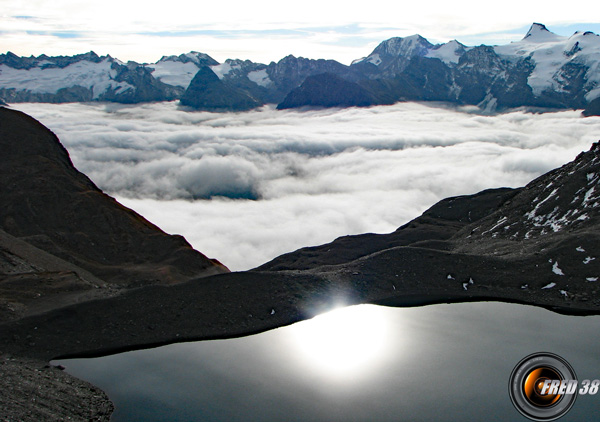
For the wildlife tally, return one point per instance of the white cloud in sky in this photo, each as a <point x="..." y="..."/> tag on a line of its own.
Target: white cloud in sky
<point x="263" y="30"/>
<point x="318" y="174"/>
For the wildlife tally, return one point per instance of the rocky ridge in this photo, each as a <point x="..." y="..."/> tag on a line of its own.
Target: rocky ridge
<point x="80" y="78"/>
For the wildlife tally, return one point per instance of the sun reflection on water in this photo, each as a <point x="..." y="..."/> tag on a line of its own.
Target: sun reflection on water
<point x="345" y="342"/>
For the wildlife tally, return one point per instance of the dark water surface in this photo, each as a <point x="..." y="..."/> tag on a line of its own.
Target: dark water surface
<point x="363" y="363"/>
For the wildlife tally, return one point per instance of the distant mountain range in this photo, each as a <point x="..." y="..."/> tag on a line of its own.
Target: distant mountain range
<point x="542" y="70"/>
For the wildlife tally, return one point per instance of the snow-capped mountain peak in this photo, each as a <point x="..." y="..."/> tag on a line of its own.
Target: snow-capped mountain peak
<point x="83" y="77"/>
<point x="199" y="58"/>
<point x="180" y="70"/>
<point x="414" y="45"/>
<point x="555" y="57"/>
<point x="193" y="57"/>
<point x="223" y="69"/>
<point x="395" y="52"/>
<point x="48" y="75"/>
<point x="538" y="33"/>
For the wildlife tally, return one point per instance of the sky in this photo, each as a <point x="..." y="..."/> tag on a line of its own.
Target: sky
<point x="268" y="30"/>
<point x="247" y="187"/>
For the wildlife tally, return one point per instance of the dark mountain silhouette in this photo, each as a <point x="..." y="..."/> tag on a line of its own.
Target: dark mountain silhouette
<point x="61" y="236"/>
<point x="208" y="92"/>
<point x="328" y="90"/>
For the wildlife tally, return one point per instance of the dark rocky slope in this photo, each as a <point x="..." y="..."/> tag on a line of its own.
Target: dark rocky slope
<point x="63" y="241"/>
<point x="434" y="228"/>
<point x="61" y="237"/>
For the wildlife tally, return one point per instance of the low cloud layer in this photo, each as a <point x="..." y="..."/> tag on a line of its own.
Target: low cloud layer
<point x="246" y="187"/>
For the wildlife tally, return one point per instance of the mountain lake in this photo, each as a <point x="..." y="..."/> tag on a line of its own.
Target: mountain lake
<point x="358" y="363"/>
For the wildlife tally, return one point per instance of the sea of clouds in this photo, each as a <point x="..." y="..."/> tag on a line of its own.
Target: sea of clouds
<point x="247" y="187"/>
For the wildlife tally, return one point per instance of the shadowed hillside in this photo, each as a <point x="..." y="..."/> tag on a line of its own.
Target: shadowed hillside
<point x="62" y="239"/>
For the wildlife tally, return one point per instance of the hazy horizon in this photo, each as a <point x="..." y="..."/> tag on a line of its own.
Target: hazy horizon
<point x="266" y="30"/>
<point x="360" y="50"/>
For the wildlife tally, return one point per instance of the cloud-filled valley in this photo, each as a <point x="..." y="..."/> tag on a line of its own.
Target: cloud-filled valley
<point x="246" y="187"/>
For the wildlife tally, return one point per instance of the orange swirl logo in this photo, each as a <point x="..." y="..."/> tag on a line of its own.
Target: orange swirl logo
<point x="543" y="387"/>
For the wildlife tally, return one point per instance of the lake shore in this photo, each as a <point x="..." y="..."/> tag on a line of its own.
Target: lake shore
<point x="41" y="392"/>
<point x="231" y="305"/>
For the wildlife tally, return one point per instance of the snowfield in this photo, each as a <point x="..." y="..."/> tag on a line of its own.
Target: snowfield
<point x="99" y="77"/>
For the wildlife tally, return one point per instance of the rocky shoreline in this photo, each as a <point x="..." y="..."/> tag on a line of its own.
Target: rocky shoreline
<point x="33" y="390"/>
<point x="41" y="392"/>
